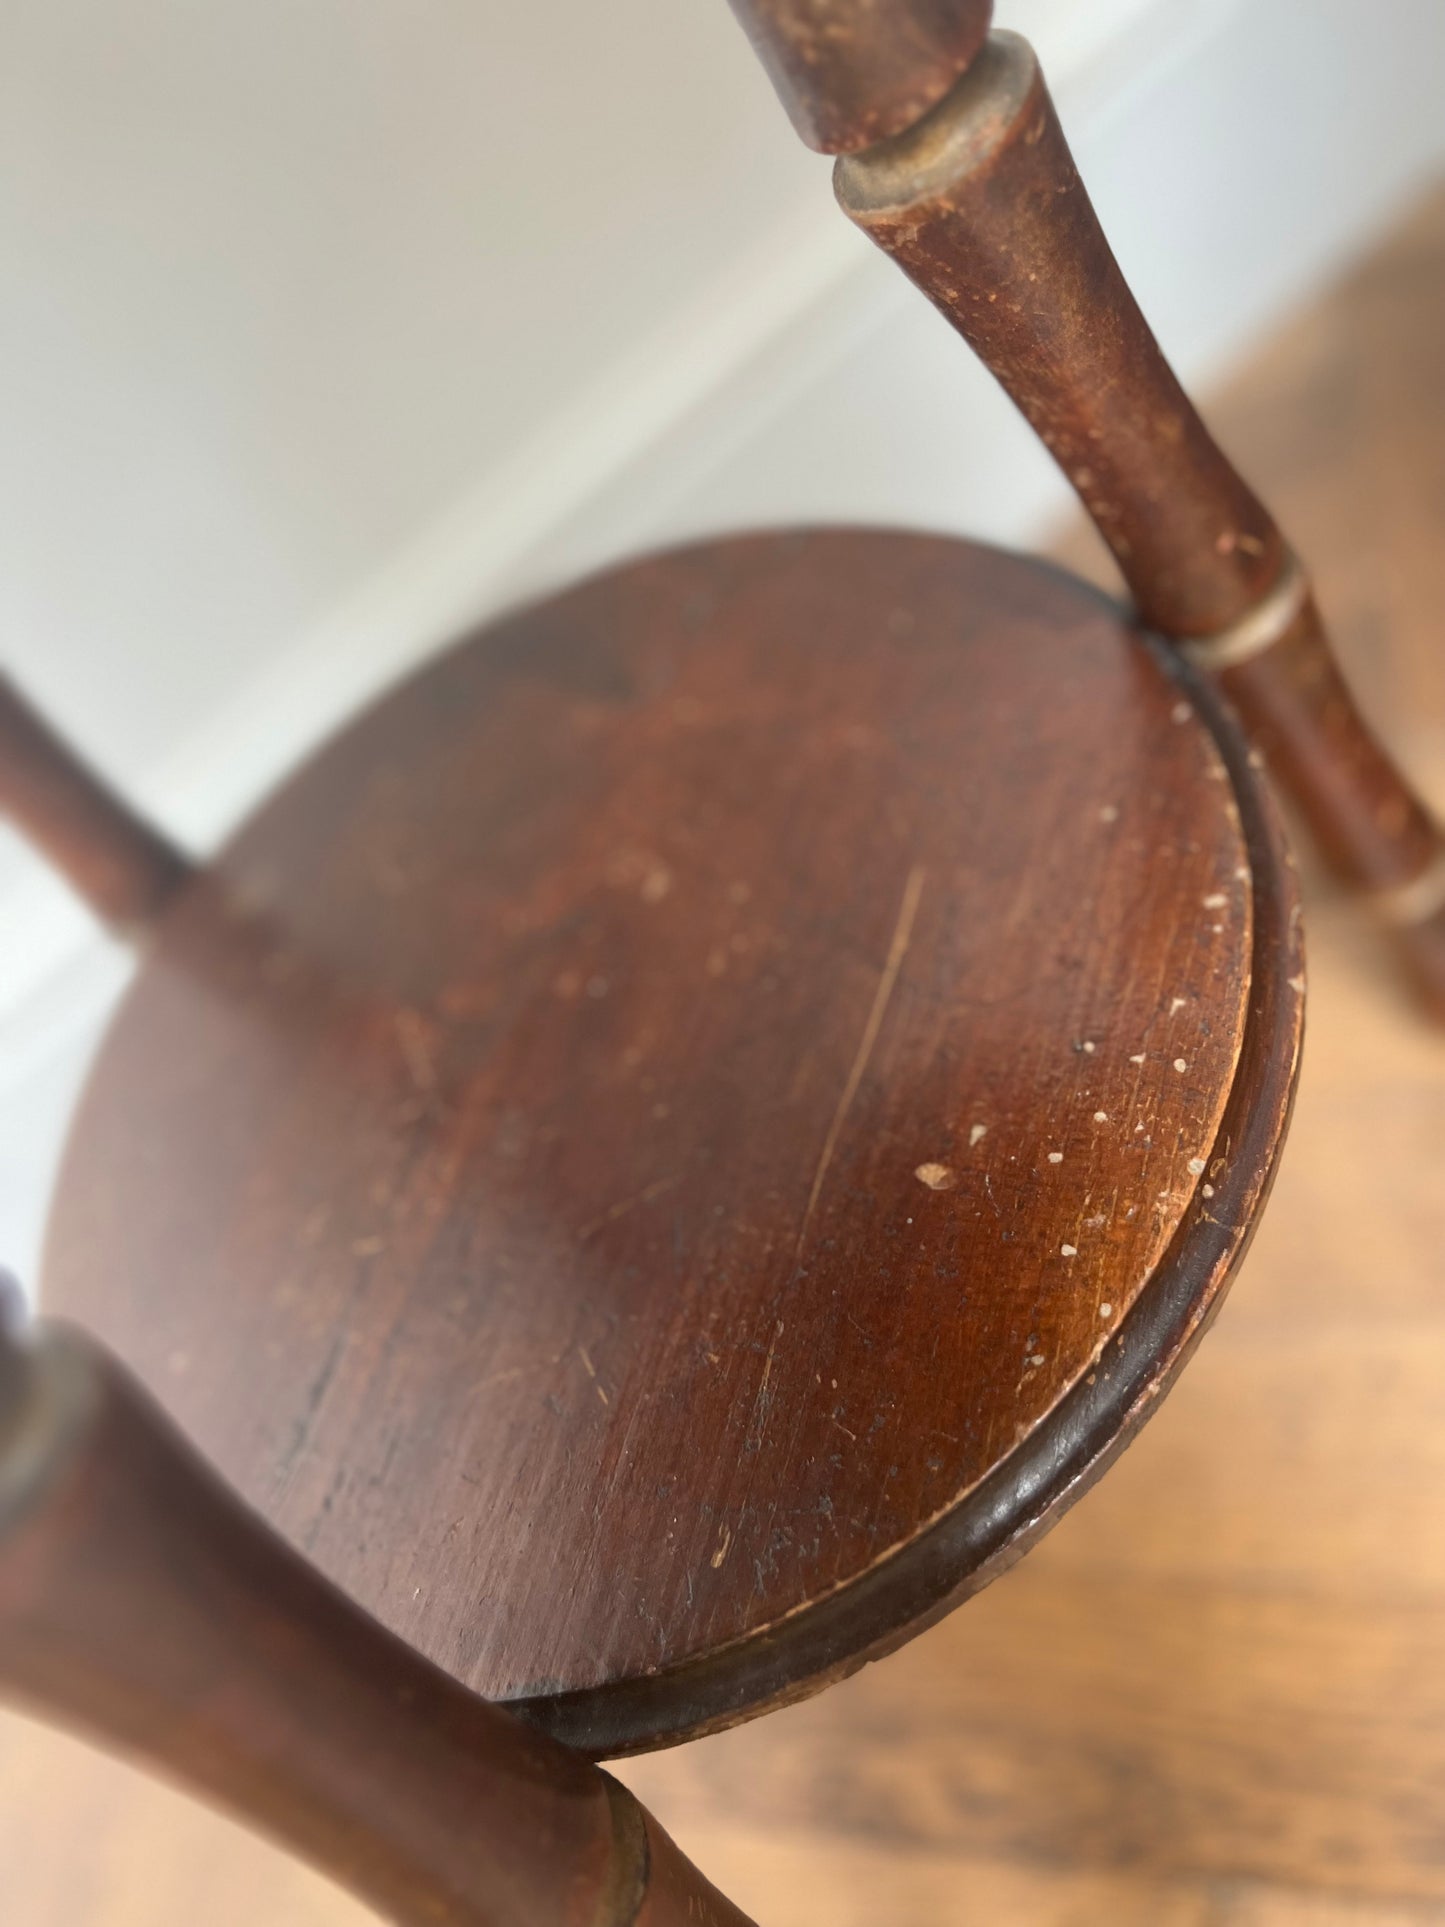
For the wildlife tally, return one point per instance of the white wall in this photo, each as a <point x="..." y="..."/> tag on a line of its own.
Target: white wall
<point x="326" y="326"/>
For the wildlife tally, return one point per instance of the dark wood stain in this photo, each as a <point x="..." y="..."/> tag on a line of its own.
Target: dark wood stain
<point x="850" y="72"/>
<point x="677" y="1146"/>
<point x="541" y="1163"/>
<point x="1214" y="1693"/>
<point x="119" y="865"/>
<point x="143" y="1606"/>
<point x="982" y="206"/>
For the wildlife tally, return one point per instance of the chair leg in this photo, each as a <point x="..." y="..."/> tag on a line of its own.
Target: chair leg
<point x="142" y="1603"/>
<point x="851" y="72"/>
<point x="981" y="205"/>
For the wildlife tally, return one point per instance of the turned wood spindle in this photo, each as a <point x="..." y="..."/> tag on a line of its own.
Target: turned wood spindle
<point x="851" y="72"/>
<point x="979" y="202"/>
<point x="981" y="205"/>
<point x="143" y="1604"/>
<point x="117" y="863"/>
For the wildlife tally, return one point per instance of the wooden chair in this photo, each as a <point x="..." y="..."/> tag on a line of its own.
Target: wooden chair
<point x="677" y="1145"/>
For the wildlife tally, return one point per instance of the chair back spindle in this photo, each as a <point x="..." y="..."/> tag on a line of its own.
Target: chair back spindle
<point x="116" y="862"/>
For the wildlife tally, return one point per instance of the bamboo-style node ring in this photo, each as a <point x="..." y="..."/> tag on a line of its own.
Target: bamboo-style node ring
<point x="1258" y="629"/>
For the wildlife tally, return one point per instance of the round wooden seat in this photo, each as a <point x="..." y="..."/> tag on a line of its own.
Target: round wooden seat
<point x="682" y="1138"/>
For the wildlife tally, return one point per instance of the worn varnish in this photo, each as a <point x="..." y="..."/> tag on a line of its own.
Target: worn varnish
<point x="981" y="205"/>
<point x="851" y="72"/>
<point x="672" y="1144"/>
<point x="1212" y="1698"/>
<point x="983" y="208"/>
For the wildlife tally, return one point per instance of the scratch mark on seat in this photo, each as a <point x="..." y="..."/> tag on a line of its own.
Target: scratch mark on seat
<point x="418" y="1048"/>
<point x="897" y="951"/>
<point x="624" y="1205"/>
<point x="315" y="1397"/>
<point x="762" y="1401"/>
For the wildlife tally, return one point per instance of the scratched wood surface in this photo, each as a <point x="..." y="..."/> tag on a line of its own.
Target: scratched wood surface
<point x="1213" y="1697"/>
<point x="811" y="975"/>
<point x="850" y="72"/>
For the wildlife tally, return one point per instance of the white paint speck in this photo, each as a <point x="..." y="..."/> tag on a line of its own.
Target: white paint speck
<point x="1176" y="1003"/>
<point x="1101" y="1117"/>
<point x="1216" y="902"/>
<point x="1069" y="1251"/>
<point x="1196" y="1165"/>
<point x="1181" y="712"/>
<point x="1056" y="1157"/>
<point x="1109" y="814"/>
<point x="1137" y="1060"/>
<point x="1180" y="1065"/>
<point x="1090" y="1046"/>
<point x="1037" y="1358"/>
<point x="978" y="1132"/>
<point x="1106" y="1311"/>
<point x="1208" y="1190"/>
<point x="938" y="1177"/>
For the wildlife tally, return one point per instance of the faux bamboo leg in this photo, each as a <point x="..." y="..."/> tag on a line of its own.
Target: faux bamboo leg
<point x="141" y="1603"/>
<point x="851" y="72"/>
<point x="981" y="205"/>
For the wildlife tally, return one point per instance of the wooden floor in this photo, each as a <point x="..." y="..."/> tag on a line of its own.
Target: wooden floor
<point x="1217" y="1693"/>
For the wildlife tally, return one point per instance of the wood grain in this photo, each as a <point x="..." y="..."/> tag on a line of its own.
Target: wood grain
<point x="1298" y="1465"/>
<point x="703" y="1222"/>
<point x="1240" y="1630"/>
